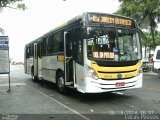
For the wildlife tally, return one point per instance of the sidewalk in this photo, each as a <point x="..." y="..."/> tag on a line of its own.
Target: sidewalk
<point x="149" y="73"/>
<point x="24" y="99"/>
<point x="25" y="102"/>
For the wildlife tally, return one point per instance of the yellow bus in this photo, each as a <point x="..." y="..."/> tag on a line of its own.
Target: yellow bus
<point x="92" y="53"/>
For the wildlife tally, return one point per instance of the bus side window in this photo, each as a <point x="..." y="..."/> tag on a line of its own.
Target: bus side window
<point x="43" y="46"/>
<point x="39" y="49"/>
<point x="68" y="44"/>
<point x="57" y="40"/>
<point x="30" y="50"/>
<point x="27" y="52"/>
<point x="50" y="44"/>
<point x="61" y="46"/>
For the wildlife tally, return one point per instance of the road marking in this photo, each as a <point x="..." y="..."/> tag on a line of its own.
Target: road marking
<point x="74" y="111"/>
<point x="13" y="84"/>
<point x="2" y="90"/>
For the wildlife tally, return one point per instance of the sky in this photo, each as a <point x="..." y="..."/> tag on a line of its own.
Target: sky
<point x="42" y="16"/>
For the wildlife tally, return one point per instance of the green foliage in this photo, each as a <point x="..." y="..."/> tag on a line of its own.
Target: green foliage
<point x="158" y="38"/>
<point x="141" y="10"/>
<point x="145" y="12"/>
<point x="10" y="3"/>
<point x="21" y="6"/>
<point x="147" y="40"/>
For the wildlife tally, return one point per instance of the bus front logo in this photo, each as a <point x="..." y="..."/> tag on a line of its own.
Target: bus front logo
<point x="119" y="75"/>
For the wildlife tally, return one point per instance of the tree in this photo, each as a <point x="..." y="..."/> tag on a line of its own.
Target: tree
<point x="10" y="4"/>
<point x="145" y="12"/>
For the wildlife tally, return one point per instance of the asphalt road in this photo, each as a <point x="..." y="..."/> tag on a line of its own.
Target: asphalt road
<point x="48" y="103"/>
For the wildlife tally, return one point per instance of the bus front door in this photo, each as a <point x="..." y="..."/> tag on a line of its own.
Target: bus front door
<point x="68" y="62"/>
<point x="35" y="62"/>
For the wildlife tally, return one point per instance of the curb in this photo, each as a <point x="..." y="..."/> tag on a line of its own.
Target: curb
<point x="149" y="73"/>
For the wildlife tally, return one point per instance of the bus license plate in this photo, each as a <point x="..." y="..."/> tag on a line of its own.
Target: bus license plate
<point x="120" y="84"/>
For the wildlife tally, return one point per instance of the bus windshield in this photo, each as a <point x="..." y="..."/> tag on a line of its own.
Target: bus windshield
<point x="113" y="44"/>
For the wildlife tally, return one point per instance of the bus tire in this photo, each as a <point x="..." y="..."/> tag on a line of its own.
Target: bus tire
<point x="60" y="83"/>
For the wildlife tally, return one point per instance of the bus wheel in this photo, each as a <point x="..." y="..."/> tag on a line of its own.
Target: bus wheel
<point x="60" y="83"/>
<point x="34" y="78"/>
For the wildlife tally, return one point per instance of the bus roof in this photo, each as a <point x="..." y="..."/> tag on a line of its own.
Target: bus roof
<point x="81" y="16"/>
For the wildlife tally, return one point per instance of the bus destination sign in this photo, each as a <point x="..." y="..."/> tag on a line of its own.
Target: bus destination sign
<point x="112" y="20"/>
<point x="4" y="55"/>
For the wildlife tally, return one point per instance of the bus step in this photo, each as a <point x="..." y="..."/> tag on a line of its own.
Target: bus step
<point x="70" y="87"/>
<point x="68" y="83"/>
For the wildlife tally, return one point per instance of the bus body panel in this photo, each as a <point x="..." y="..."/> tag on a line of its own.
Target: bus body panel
<point x="35" y="61"/>
<point x="25" y="61"/>
<point x="29" y="64"/>
<point x="113" y="72"/>
<point x="80" y="77"/>
<point x="50" y="65"/>
<point x="40" y="68"/>
<point x="99" y="86"/>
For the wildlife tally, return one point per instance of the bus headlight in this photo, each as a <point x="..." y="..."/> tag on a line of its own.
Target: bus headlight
<point x="91" y="72"/>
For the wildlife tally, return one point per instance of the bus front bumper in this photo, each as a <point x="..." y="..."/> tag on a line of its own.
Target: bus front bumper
<point x="99" y="86"/>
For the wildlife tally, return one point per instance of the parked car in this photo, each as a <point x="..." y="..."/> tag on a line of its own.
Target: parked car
<point x="145" y="67"/>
